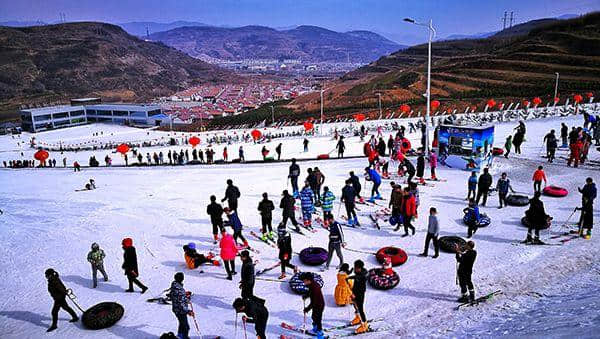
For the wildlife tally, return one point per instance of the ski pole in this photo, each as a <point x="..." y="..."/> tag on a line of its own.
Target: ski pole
<point x="304" y="313"/>
<point x="236" y="321"/>
<point x="194" y="317"/>
<point x="244" y="323"/>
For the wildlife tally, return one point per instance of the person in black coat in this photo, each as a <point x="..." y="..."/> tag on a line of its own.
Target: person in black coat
<point x="483" y="186"/>
<point x="381" y="147"/>
<point x="466" y="260"/>
<point x="247" y="278"/>
<point x="266" y="207"/>
<point x="232" y="194"/>
<point x="287" y="204"/>
<point x="341" y="147"/>
<point x="355" y="184"/>
<point x="537" y="218"/>
<point x="284" y="244"/>
<point x="358" y="295"/>
<point x="58" y="292"/>
<point x="317" y="302"/>
<point x="420" y="166"/>
<point x="348" y="198"/>
<point x="215" y="211"/>
<point x="130" y="265"/>
<point x="256" y="313"/>
<point x="410" y="169"/>
<point x="293" y="174"/>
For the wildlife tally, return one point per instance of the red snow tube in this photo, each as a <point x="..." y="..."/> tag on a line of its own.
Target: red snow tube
<point x="322" y="156"/>
<point x="555" y="191"/>
<point x="405" y="146"/>
<point x="379" y="279"/>
<point x="497" y="151"/>
<point x="102" y="315"/>
<point x="397" y="255"/>
<point x="313" y="256"/>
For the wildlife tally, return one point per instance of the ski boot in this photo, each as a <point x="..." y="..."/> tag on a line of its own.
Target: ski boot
<point x="246" y="244"/>
<point x="271" y="235"/>
<point x="528" y="240"/>
<point x="282" y="276"/>
<point x="422" y="181"/>
<point x="363" y="328"/>
<point x="472" y="297"/>
<point x="378" y="197"/>
<point x="315" y="329"/>
<point x="371" y="200"/>
<point x="351" y="222"/>
<point x="356" y="320"/>
<point x="216" y="239"/>
<point x="356" y="223"/>
<point x="264" y="237"/>
<point x="588" y="235"/>
<point x="537" y="241"/>
<point x="320" y="335"/>
<point x="464" y="298"/>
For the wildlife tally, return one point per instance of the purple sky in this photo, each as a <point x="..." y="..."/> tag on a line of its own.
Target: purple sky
<point x="382" y="16"/>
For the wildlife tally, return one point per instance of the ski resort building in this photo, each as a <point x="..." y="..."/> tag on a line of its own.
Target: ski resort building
<point x="45" y="118"/>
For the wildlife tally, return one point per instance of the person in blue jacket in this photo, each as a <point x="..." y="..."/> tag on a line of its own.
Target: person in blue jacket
<point x="503" y="185"/>
<point x="236" y="224"/>
<point x="472" y="217"/>
<point x="374" y="177"/>
<point x="348" y="198"/>
<point x="307" y="204"/>
<point x="472" y="186"/>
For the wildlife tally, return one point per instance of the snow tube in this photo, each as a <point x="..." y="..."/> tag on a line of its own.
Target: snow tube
<point x="555" y="191"/>
<point x="298" y="286"/>
<point x="484" y="220"/>
<point x="236" y="161"/>
<point x="517" y="200"/>
<point x="313" y="256"/>
<point x="448" y="243"/>
<point x="397" y="255"/>
<point x="382" y="281"/>
<point x="323" y="156"/>
<point x="405" y="146"/>
<point x="269" y="159"/>
<point x="497" y="151"/>
<point x="525" y="222"/>
<point x="102" y="315"/>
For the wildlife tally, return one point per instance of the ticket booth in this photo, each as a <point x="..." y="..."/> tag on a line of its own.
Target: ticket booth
<point x="466" y="147"/>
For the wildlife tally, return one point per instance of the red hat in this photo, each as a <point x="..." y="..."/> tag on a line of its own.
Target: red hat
<point x="127" y="242"/>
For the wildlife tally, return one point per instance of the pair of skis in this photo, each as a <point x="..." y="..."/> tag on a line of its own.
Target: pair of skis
<point x="304" y="331"/>
<point x="484" y="298"/>
<point x="268" y="241"/>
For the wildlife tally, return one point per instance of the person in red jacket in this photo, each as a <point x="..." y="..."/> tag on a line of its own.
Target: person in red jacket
<point x="538" y="176"/>
<point x="228" y="252"/>
<point x="409" y="210"/>
<point x="576" y="148"/>
<point x="317" y="303"/>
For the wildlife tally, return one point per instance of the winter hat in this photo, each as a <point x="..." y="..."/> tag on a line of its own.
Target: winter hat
<point x="50" y="272"/>
<point x="285" y="193"/>
<point x="238" y="303"/>
<point x="127" y="242"/>
<point x="281" y="231"/>
<point x="95" y="246"/>
<point x="245" y="254"/>
<point x="179" y="277"/>
<point x="306" y="276"/>
<point x="192" y="246"/>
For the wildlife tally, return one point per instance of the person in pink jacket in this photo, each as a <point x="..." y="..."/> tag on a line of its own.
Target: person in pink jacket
<point x="228" y="252"/>
<point x="433" y="160"/>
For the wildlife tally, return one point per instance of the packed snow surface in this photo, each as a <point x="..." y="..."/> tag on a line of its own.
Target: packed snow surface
<point x="47" y="224"/>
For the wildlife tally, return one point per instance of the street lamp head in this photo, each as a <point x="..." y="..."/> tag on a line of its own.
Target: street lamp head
<point x="409" y="20"/>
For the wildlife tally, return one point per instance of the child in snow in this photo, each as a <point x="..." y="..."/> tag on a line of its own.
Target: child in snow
<point x="236" y="224"/>
<point x="502" y="186"/>
<point x="433" y="160"/>
<point x="343" y="289"/>
<point x="472" y="186"/>
<point x="256" y="313"/>
<point x="317" y="303"/>
<point x="306" y="202"/>
<point x="193" y="259"/>
<point x="266" y="207"/>
<point x="433" y="230"/>
<point x="336" y="241"/>
<point x="538" y="176"/>
<point x="327" y="200"/>
<point x="472" y="217"/>
<point x="180" y="300"/>
<point x="465" y="260"/>
<point x="409" y="210"/>
<point x="228" y="252"/>
<point x="348" y="198"/>
<point x="130" y="265"/>
<point x="284" y="244"/>
<point x="96" y="258"/>
<point x="358" y="296"/>
<point x="58" y="292"/>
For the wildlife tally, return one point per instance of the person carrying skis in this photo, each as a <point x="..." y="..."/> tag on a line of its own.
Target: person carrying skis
<point x="472" y="217"/>
<point x="232" y="194"/>
<point x="507" y="146"/>
<point x="348" y="197"/>
<point x="358" y="296"/>
<point x="287" y="205"/>
<point x="502" y="186"/>
<point x="293" y="174"/>
<point x="284" y="244"/>
<point x="551" y="145"/>
<point x="433" y="230"/>
<point x="472" y="186"/>
<point x="194" y="259"/>
<point x="336" y="241"/>
<point x="316" y="305"/>
<point x="96" y="258"/>
<point x="247" y="277"/>
<point x="236" y="224"/>
<point x="327" y="200"/>
<point x="373" y="176"/>
<point x="215" y="210"/>
<point x="179" y="305"/>
<point x="538" y="176"/>
<point x="306" y="202"/>
<point x="228" y="252"/>
<point x="59" y="293"/>
<point x="356" y="185"/>
<point x="483" y="186"/>
<point x="130" y="265"/>
<point x="341" y="147"/>
<point x="466" y="260"/>
<point x="256" y="313"/>
<point x="266" y="207"/>
<point x="409" y="210"/>
<point x="343" y="289"/>
<point x="537" y="218"/>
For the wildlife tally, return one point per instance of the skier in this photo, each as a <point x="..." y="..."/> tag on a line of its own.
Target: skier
<point x="551" y="145"/>
<point x="433" y="160"/>
<point x="472" y="186"/>
<point x="215" y="210"/>
<point x="409" y="210"/>
<point x="483" y="186"/>
<point x="538" y="176"/>
<point x="356" y="185"/>
<point x="247" y="277"/>
<point x="130" y="265"/>
<point x="293" y="174"/>
<point x="587" y="217"/>
<point x="256" y="313"/>
<point x="502" y="186"/>
<point x="327" y="200"/>
<point x="284" y="244"/>
<point x="373" y="176"/>
<point x="236" y="224"/>
<point x="538" y="219"/>
<point x="507" y="146"/>
<point x="433" y="230"/>
<point x="194" y="259"/>
<point x="232" y="194"/>
<point x="336" y="241"/>
<point x="410" y="169"/>
<point x="58" y="292"/>
<point x="421" y="168"/>
<point x="96" y="258"/>
<point x="180" y="300"/>
<point x="341" y="147"/>
<point x="396" y="199"/>
<point x="306" y="202"/>
<point x="588" y="191"/>
<point x="317" y="303"/>
<point x="465" y="260"/>
<point x="287" y="205"/>
<point x="228" y="252"/>
<point x="472" y="218"/>
<point x="266" y="208"/>
<point x="278" y="151"/>
<point x="358" y="296"/>
<point x="348" y="197"/>
<point x="305" y="143"/>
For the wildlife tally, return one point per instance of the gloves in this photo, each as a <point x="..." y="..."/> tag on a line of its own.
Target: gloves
<point x="306" y="310"/>
<point x="244" y="318"/>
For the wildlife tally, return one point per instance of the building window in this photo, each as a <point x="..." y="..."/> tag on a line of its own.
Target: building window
<point x="77" y="113"/>
<point x="43" y="117"/>
<point x="139" y="114"/>
<point x="91" y="112"/>
<point x="154" y="112"/>
<point x="120" y="113"/>
<point x="105" y="113"/>
<point x="60" y="115"/>
<point x="26" y="117"/>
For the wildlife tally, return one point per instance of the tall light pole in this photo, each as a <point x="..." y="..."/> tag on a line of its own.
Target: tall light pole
<point x="379" y="97"/>
<point x="556" y="85"/>
<point x="431" y="36"/>
<point x="322" y="90"/>
<point x="273" y="114"/>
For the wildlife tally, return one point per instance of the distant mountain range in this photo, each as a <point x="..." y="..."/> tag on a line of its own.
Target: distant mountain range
<point x="56" y="62"/>
<point x="139" y="28"/>
<point x="308" y="43"/>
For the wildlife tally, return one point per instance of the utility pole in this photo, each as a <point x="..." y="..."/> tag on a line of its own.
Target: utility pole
<point x="379" y="98"/>
<point x="273" y="114"/>
<point x="511" y="18"/>
<point x="147" y="33"/>
<point x="504" y="21"/>
<point x="321" y="106"/>
<point x="556" y="85"/>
